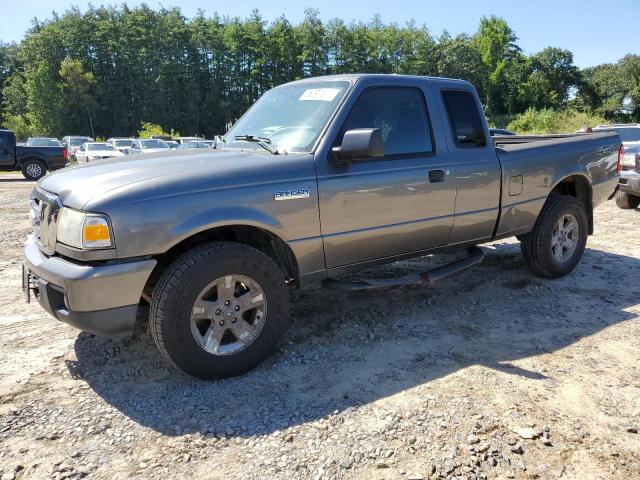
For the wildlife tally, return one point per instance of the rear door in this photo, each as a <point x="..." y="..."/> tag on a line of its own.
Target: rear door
<point x="394" y="205"/>
<point x="476" y="164"/>
<point x="7" y="149"/>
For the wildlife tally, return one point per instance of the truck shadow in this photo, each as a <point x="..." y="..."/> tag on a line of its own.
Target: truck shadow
<point x="348" y="350"/>
<point x="15" y="180"/>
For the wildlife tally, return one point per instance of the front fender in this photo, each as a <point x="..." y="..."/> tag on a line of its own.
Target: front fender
<point x="223" y="217"/>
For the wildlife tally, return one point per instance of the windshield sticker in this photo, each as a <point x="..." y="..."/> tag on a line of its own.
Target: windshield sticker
<point x="320" y="94"/>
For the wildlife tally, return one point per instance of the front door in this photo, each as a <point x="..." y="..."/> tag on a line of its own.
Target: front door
<point x="397" y="204"/>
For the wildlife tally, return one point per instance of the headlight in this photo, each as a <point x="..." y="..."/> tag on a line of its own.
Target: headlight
<point x="84" y="230"/>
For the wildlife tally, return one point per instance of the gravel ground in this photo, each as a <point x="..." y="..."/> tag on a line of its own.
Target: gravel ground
<point x="493" y="374"/>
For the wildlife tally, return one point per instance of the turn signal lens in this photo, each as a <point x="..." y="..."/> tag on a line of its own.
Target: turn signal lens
<point x="95" y="233"/>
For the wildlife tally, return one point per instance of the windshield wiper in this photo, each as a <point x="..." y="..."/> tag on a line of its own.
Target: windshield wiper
<point x="264" y="142"/>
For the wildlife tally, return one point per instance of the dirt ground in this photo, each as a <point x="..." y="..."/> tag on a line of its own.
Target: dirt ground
<point x="493" y="374"/>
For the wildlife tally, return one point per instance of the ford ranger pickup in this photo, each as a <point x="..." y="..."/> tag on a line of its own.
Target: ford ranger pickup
<point x="320" y="177"/>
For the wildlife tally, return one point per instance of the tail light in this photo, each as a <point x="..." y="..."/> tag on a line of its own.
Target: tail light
<point x="65" y="153"/>
<point x="620" y="157"/>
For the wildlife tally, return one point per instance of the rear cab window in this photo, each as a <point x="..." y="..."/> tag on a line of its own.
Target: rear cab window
<point x="5" y="141"/>
<point x="401" y="115"/>
<point x="465" y="122"/>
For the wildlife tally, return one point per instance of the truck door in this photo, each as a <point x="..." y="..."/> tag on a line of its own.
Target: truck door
<point x="400" y="203"/>
<point x="477" y="167"/>
<point x="7" y="149"/>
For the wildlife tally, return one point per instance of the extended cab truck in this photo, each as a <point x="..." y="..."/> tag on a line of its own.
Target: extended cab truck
<point x="320" y="177"/>
<point x="34" y="162"/>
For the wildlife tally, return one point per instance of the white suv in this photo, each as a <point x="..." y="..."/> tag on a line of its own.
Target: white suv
<point x="629" y="132"/>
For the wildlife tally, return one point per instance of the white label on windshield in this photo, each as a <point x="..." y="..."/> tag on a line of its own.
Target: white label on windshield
<point x="320" y="94"/>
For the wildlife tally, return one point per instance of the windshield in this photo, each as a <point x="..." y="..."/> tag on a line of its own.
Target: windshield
<point x="153" y="143"/>
<point x="77" y="141"/>
<point x="199" y="144"/>
<point x="92" y="147"/>
<point x="123" y="143"/>
<point x="629" y="134"/>
<point x="43" y="142"/>
<point x="291" y="117"/>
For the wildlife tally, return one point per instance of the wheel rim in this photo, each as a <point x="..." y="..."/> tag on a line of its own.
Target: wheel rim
<point x="34" y="170"/>
<point x="565" y="237"/>
<point x="228" y="315"/>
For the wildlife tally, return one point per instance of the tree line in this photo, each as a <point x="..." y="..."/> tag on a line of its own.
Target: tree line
<point x="107" y="70"/>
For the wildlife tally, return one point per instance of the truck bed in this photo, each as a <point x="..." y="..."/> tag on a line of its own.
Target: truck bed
<point x="533" y="164"/>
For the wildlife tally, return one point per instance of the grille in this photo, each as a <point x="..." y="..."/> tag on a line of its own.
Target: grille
<point x="43" y="213"/>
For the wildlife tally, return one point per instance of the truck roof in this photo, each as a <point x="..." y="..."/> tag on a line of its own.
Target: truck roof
<point x="352" y="77"/>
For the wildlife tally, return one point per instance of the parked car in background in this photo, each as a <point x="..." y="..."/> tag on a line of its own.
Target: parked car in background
<point x="92" y="151"/>
<point x="628" y="194"/>
<point x="321" y="177"/>
<point x="73" y="143"/>
<point x="148" y="145"/>
<point x="43" y="142"/>
<point x="629" y="132"/>
<point x="122" y="144"/>
<point x="500" y="132"/>
<point x="183" y="140"/>
<point x="34" y="162"/>
<point x="173" y="145"/>
<point x="198" y="144"/>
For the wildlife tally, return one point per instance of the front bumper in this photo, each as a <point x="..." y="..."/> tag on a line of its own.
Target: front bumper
<point x="101" y="299"/>
<point x="630" y="182"/>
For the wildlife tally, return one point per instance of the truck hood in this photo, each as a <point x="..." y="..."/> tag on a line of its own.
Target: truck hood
<point x="76" y="186"/>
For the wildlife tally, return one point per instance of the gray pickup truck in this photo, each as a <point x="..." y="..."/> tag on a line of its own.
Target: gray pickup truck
<point x="320" y="177"/>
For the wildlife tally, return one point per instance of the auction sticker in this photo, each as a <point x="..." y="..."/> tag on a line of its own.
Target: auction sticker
<point x="320" y="94"/>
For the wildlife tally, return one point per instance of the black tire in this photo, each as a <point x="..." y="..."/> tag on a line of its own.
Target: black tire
<point x="626" y="201"/>
<point x="536" y="246"/>
<point x="183" y="282"/>
<point x="33" y="169"/>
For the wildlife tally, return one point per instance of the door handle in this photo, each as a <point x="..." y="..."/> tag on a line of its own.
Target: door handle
<point x="436" y="176"/>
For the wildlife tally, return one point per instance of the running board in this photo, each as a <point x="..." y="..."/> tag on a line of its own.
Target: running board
<point x="476" y="254"/>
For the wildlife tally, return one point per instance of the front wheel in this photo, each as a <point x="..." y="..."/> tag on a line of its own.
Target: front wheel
<point x="626" y="201"/>
<point x="556" y="244"/>
<point x="219" y="310"/>
<point x="33" y="169"/>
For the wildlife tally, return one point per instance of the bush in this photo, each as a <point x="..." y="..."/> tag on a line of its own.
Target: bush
<point x="534" y="122"/>
<point x="147" y="130"/>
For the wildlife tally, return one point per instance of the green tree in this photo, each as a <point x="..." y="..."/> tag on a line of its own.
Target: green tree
<point x="77" y="101"/>
<point x="496" y="43"/>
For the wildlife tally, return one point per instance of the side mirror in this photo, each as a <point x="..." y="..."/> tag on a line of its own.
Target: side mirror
<point x="360" y="143"/>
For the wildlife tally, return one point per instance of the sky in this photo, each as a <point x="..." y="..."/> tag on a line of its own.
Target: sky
<point x="596" y="31"/>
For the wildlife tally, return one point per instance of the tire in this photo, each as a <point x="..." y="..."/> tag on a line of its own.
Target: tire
<point x="33" y="169"/>
<point x="626" y="201"/>
<point x="186" y="332"/>
<point x="548" y="249"/>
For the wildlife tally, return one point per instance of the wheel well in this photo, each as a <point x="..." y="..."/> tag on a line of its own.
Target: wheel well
<point x="255" y="237"/>
<point x="579" y="187"/>
<point x="22" y="160"/>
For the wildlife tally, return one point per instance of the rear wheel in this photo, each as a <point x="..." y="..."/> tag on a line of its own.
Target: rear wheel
<point x="219" y="310"/>
<point x="33" y="169"/>
<point x="626" y="201"/>
<point x="556" y="244"/>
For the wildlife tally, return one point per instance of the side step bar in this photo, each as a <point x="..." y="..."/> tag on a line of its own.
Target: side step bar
<point x="476" y="255"/>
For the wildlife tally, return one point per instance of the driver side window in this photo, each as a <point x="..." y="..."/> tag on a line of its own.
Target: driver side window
<point x="401" y="115"/>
